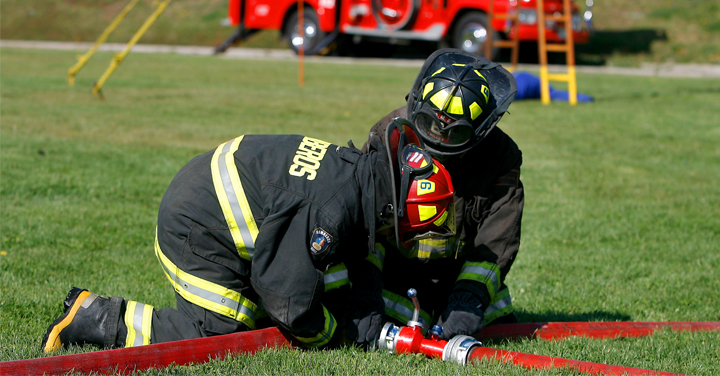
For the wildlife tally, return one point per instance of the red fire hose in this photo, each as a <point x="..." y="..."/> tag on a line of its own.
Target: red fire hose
<point x="159" y="355"/>
<point x="409" y="340"/>
<point x="598" y="330"/>
<point x="540" y="361"/>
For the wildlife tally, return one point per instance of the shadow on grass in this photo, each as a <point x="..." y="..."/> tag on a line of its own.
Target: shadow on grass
<point x="601" y="45"/>
<point x="525" y="316"/>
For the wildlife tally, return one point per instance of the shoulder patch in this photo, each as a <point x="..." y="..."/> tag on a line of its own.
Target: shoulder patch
<point x="319" y="241"/>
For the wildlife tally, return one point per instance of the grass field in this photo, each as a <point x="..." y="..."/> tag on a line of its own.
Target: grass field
<point x="622" y="218"/>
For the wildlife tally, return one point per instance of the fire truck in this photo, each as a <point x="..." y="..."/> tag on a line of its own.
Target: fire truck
<point x="460" y="24"/>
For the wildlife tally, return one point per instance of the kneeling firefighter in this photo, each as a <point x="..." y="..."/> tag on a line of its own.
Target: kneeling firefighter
<point x="456" y="102"/>
<point x="280" y="227"/>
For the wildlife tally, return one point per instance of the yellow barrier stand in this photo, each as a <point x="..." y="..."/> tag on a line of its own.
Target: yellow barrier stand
<point x="118" y="58"/>
<point x="84" y="58"/>
<point x="568" y="48"/>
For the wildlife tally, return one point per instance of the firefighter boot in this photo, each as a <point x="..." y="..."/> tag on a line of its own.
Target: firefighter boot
<point x="88" y="319"/>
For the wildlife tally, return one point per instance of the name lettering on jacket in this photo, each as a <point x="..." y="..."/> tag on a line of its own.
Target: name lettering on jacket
<point x="307" y="158"/>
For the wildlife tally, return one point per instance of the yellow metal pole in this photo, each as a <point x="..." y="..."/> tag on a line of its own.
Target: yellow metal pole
<point x="489" y="35"/>
<point x="84" y="58"/>
<point x="301" y="49"/>
<point x="570" y="44"/>
<point x="542" y="51"/>
<point x="119" y="57"/>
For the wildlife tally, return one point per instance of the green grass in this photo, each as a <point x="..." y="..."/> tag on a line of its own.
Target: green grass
<point x="622" y="218"/>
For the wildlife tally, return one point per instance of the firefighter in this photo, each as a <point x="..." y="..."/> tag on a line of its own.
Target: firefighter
<point x="273" y="225"/>
<point x="456" y="102"/>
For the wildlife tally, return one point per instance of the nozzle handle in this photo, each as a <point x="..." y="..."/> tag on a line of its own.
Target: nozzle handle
<point x="412" y="294"/>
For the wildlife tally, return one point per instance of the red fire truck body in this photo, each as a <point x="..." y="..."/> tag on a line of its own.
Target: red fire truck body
<point x="458" y="23"/>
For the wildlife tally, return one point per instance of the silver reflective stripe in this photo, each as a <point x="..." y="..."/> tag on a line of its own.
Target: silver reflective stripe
<point x="482" y="271"/>
<point x="90" y="299"/>
<point x="232" y="200"/>
<point x="500" y="304"/>
<point x="138" y="324"/>
<point x="401" y="309"/>
<point x="208" y="295"/>
<point x="431" y="248"/>
<point x="336" y="276"/>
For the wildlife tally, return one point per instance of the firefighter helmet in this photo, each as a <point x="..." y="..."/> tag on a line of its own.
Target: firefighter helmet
<point x="423" y="195"/>
<point x="457" y="99"/>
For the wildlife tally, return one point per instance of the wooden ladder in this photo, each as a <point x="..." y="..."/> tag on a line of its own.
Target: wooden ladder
<point x="568" y="48"/>
<point x="513" y="44"/>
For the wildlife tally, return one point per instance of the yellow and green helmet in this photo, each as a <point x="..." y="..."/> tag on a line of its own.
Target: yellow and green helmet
<point x="457" y="99"/>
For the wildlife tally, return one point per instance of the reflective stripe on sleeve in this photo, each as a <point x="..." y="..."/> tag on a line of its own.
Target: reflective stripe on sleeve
<point x="377" y="256"/>
<point x="401" y="308"/>
<point x="138" y="319"/>
<point x="336" y="277"/>
<point x="500" y="306"/>
<point x="433" y="248"/>
<point x="323" y="337"/>
<point x="232" y="198"/>
<point x="206" y="294"/>
<point x="483" y="272"/>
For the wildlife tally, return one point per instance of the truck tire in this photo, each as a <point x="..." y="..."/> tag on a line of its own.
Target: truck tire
<point x="395" y="15"/>
<point x="470" y="33"/>
<point x="313" y="34"/>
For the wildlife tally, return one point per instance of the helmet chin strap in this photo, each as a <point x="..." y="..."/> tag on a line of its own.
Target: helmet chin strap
<point x="404" y="186"/>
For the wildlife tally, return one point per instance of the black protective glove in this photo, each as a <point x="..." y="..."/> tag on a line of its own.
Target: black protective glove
<point x="365" y="322"/>
<point x="367" y="307"/>
<point x="463" y="316"/>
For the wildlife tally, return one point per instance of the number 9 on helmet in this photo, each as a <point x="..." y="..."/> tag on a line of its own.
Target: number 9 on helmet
<point x="423" y="194"/>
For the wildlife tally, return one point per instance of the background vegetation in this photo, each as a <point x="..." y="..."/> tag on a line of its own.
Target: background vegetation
<point x="622" y="218"/>
<point x="628" y="32"/>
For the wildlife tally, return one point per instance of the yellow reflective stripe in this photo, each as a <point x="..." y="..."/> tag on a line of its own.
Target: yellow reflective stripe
<point x="455" y="106"/>
<point x="426" y="212"/>
<point x="401" y="308"/>
<point x="206" y="294"/>
<point x="439" y="222"/>
<point x="433" y="248"/>
<point x="138" y="319"/>
<point x="428" y="88"/>
<point x="478" y="73"/>
<point x="500" y="306"/>
<point x="336" y="277"/>
<point x="439" y="98"/>
<point x="483" y="272"/>
<point x="232" y="198"/>
<point x="438" y="71"/>
<point x="323" y="337"/>
<point x="377" y="256"/>
<point x="475" y="110"/>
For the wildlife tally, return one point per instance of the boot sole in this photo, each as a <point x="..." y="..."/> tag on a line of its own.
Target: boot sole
<point x="52" y="342"/>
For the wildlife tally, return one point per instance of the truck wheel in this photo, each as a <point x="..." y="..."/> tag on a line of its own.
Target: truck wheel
<point x="313" y="34"/>
<point x="470" y="34"/>
<point x="395" y="14"/>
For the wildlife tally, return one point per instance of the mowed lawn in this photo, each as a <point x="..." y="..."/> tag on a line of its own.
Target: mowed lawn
<point x="622" y="216"/>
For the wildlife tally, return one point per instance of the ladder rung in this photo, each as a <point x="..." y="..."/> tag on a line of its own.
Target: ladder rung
<point x="557" y="47"/>
<point x="506" y="16"/>
<point x="553" y="17"/>
<point x="559" y="77"/>
<point x="504" y="44"/>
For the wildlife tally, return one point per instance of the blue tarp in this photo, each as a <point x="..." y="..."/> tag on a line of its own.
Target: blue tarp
<point x="528" y="87"/>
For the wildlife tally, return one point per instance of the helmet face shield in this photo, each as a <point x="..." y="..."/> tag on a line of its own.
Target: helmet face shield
<point x="438" y="132"/>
